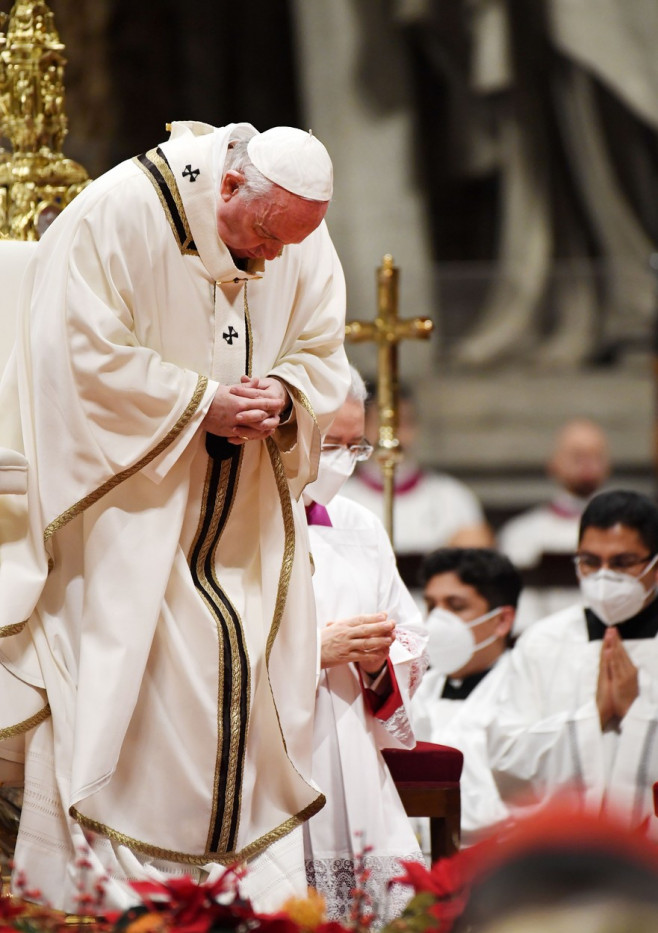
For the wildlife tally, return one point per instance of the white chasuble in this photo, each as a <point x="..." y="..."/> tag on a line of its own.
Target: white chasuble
<point x="173" y="634"/>
<point x="355" y="573"/>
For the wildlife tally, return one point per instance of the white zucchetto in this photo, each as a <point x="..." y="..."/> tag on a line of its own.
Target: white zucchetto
<point x="295" y="160"/>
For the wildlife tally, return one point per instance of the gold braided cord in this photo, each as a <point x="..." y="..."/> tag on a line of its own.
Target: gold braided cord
<point x="230" y="858"/>
<point x="289" y="543"/>
<point x="247" y="321"/>
<point x="284" y="576"/>
<point x="114" y="481"/>
<point x="12" y="629"/>
<point x="303" y="400"/>
<point x="21" y="727"/>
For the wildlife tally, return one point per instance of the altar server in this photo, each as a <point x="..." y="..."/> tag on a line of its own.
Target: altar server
<point x="579" y="706"/>
<point x="471" y="596"/>
<point x="372" y="659"/>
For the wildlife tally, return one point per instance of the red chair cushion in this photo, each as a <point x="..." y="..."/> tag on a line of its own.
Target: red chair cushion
<point x="427" y="763"/>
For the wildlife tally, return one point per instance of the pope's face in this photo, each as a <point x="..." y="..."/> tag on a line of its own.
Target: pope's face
<point x="259" y="228"/>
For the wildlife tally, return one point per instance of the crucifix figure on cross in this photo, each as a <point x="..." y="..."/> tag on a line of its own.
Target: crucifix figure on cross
<point x="387" y="331"/>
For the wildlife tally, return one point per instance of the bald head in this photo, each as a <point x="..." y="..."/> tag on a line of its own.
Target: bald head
<point x="580" y="461"/>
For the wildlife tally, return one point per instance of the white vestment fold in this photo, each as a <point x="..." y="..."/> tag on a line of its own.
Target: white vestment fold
<point x="355" y="574"/>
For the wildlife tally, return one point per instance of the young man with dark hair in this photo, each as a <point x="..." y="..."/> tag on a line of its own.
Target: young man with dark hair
<point x="471" y="596"/>
<point x="579" y="706"/>
<point x="480" y="588"/>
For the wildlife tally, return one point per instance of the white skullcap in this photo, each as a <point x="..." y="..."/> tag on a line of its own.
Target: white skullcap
<point x="295" y="160"/>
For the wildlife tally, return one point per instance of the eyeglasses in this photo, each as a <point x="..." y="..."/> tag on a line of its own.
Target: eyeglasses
<point x="360" y="451"/>
<point x="590" y="563"/>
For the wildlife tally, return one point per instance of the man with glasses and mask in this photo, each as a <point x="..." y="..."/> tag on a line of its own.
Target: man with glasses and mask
<point x="372" y="642"/>
<point x="579" y="706"/>
<point x="471" y="596"/>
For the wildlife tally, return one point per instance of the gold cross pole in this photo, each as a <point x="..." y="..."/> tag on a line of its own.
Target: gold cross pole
<point x="387" y="331"/>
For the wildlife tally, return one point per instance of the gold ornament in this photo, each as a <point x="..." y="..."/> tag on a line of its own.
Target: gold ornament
<point x="387" y="331"/>
<point x="36" y="180"/>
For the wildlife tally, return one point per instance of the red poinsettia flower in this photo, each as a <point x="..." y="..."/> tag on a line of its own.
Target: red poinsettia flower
<point x="448" y="876"/>
<point x="9" y="907"/>
<point x="331" y="926"/>
<point x="191" y="907"/>
<point x="276" y="923"/>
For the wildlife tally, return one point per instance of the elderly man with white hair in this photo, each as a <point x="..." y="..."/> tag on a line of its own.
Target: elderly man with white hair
<point x="180" y="355"/>
<point x="372" y="659"/>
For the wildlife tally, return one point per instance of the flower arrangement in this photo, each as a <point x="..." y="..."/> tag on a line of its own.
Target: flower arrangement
<point x="487" y="880"/>
<point x="184" y="906"/>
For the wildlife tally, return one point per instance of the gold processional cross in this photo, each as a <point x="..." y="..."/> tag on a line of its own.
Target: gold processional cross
<point x="387" y="331"/>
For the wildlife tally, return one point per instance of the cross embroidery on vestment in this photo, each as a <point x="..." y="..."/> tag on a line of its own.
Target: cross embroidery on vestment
<point x="191" y="173"/>
<point x="230" y="334"/>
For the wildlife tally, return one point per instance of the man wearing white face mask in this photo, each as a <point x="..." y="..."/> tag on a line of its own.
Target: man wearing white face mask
<point x="471" y="596"/>
<point x="372" y="658"/>
<point x="579" y="708"/>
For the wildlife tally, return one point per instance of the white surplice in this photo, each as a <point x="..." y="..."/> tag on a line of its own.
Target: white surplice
<point x="430" y="508"/>
<point x="545" y="736"/>
<point x="173" y="634"/>
<point x="463" y="724"/>
<point x="355" y="573"/>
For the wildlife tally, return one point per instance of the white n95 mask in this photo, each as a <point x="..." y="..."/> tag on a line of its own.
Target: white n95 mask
<point x="615" y="596"/>
<point x="451" y="644"/>
<point x="334" y="469"/>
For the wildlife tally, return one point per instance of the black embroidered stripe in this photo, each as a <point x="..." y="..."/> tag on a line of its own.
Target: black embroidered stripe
<point x="228" y="804"/>
<point x="227" y="698"/>
<point x="177" y="220"/>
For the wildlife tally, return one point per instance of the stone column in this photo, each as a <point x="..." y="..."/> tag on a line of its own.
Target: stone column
<point x="356" y="99"/>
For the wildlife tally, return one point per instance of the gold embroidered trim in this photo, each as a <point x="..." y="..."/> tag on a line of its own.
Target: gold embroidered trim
<point x="170" y="201"/>
<point x="114" y="481"/>
<point x="247" y="321"/>
<point x="285" y="573"/>
<point x="288" y="546"/>
<point x="286" y="570"/>
<point x="219" y="500"/>
<point x="26" y="724"/>
<point x="230" y="858"/>
<point x="221" y="509"/>
<point x="303" y="400"/>
<point x="239" y="724"/>
<point x="12" y="629"/>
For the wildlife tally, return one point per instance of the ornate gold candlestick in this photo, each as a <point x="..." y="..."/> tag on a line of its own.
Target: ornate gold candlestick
<point x="36" y="180"/>
<point x="387" y="331"/>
